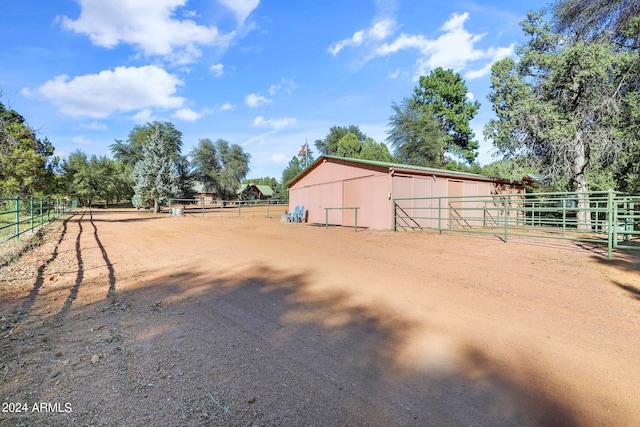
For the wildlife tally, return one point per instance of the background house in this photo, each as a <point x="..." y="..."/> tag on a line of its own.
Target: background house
<point x="201" y="192"/>
<point x="255" y="192"/>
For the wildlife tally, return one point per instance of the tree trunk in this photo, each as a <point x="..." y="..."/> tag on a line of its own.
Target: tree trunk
<point x="155" y="206"/>
<point x="583" y="215"/>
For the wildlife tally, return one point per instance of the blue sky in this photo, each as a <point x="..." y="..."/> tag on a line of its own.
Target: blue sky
<point x="266" y="74"/>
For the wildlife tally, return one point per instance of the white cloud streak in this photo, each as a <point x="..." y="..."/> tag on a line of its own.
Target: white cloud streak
<point x="241" y="8"/>
<point x="148" y="25"/>
<point x="217" y="70"/>
<point x="144" y="116"/>
<point x="254" y="100"/>
<point x="80" y="139"/>
<point x="285" y="85"/>
<point x="378" y="31"/>
<point x="124" y="89"/>
<point x="455" y="48"/>
<point x="273" y="123"/>
<point x="186" y="114"/>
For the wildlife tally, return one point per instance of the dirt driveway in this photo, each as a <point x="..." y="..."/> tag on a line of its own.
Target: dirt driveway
<point x="124" y="318"/>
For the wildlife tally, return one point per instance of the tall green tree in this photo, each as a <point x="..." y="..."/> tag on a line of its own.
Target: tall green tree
<point x="559" y="105"/>
<point x="220" y="166"/>
<point x="377" y="151"/>
<point x="349" y="146"/>
<point x="24" y="159"/>
<point x="443" y="95"/>
<point x="291" y="171"/>
<point x="155" y="174"/>
<point x="590" y="19"/>
<point x="89" y="179"/>
<point x="329" y="145"/>
<point x="130" y="151"/>
<point x="80" y="181"/>
<point x="414" y="134"/>
<point x="619" y="22"/>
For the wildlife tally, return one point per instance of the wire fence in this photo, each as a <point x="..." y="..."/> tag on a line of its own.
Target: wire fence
<point x="22" y="215"/>
<point x="227" y="208"/>
<point x="609" y="218"/>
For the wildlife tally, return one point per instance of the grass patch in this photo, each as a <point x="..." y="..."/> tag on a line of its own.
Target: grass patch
<point x="12" y="250"/>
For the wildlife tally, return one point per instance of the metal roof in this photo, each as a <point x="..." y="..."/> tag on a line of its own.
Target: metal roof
<point x="396" y="167"/>
<point x="264" y="189"/>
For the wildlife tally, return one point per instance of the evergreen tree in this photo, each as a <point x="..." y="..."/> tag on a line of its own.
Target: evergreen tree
<point x="23" y="157"/>
<point x="414" y="135"/>
<point x="443" y="95"/>
<point x="349" y="146"/>
<point x="329" y="145"/>
<point x="155" y="174"/>
<point x="377" y="151"/>
<point x="559" y="105"/>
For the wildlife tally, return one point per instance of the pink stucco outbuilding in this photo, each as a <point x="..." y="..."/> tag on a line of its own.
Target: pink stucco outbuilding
<point x="336" y="182"/>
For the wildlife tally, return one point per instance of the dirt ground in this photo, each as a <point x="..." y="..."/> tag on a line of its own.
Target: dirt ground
<point x="129" y="319"/>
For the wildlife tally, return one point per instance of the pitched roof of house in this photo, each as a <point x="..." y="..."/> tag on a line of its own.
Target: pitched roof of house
<point x="264" y="189"/>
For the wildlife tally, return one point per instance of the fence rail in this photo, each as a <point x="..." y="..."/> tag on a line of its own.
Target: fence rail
<point x="21" y="215"/>
<point x="355" y="209"/>
<point x="227" y="208"/>
<point x="599" y="217"/>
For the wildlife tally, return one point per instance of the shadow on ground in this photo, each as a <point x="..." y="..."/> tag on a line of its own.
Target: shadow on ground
<point x="626" y="262"/>
<point x="260" y="346"/>
<point x="255" y="345"/>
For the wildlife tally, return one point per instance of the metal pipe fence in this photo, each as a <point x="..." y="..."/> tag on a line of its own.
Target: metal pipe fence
<point x="227" y="208"/>
<point x="609" y="218"/>
<point x="19" y="215"/>
<point x="355" y="209"/>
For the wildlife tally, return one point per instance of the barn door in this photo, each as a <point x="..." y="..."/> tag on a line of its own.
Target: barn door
<point x="353" y="190"/>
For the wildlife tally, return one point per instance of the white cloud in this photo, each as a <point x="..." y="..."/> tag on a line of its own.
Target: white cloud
<point x="95" y="126"/>
<point x="273" y="123"/>
<point x="217" y="70"/>
<point x="470" y="96"/>
<point x="455" y="48"/>
<point x="286" y="85"/>
<point x="149" y="25"/>
<point x="124" y="89"/>
<point x="497" y="55"/>
<point x="80" y="139"/>
<point x="186" y="114"/>
<point x="254" y="100"/>
<point x="378" y="31"/>
<point x="143" y="116"/>
<point x="227" y="107"/>
<point x="241" y="8"/>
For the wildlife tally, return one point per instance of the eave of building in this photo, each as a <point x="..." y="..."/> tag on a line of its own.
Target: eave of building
<point x="400" y="168"/>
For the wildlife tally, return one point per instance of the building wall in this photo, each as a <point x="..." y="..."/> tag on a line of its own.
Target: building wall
<point x="336" y="184"/>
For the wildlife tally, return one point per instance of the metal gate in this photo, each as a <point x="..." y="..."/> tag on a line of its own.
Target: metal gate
<point x="607" y="218"/>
